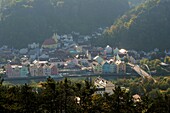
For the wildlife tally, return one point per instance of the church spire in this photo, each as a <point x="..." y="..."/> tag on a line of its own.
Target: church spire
<point x="55" y="37"/>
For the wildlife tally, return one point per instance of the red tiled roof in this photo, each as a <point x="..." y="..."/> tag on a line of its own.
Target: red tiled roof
<point x="49" y="41"/>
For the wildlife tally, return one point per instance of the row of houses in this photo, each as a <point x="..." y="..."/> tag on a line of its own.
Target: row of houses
<point x="37" y="69"/>
<point x="107" y="67"/>
<point x="113" y="65"/>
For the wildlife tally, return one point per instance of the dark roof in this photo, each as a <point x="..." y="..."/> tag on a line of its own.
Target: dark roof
<point x="49" y="41"/>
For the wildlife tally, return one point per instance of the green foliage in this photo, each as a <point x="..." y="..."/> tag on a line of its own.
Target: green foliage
<point x="1" y="80"/>
<point x="154" y="65"/>
<point x="144" y="27"/>
<point x="57" y="97"/>
<point x="160" y="103"/>
<point x="145" y="86"/>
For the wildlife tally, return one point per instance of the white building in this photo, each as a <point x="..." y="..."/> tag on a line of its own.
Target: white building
<point x="103" y="86"/>
<point x="108" y="49"/>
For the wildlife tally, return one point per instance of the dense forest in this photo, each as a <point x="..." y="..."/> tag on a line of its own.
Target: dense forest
<point x="67" y="96"/>
<point x="136" y="24"/>
<point x="143" y="27"/>
<point x="30" y="21"/>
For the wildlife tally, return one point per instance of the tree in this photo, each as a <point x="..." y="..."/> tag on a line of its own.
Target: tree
<point x="50" y="94"/>
<point x="2" y="92"/>
<point x="85" y="95"/>
<point x="136" y="28"/>
<point x="122" y="101"/>
<point x="159" y="104"/>
<point x="28" y="99"/>
<point x="12" y="99"/>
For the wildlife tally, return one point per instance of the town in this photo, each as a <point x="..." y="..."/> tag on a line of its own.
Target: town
<point x="84" y="56"/>
<point x="71" y="55"/>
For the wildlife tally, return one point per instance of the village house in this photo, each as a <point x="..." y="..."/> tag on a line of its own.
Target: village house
<point x="105" y="67"/>
<point x="98" y="59"/>
<point x="71" y="63"/>
<point x="54" y="69"/>
<point x="16" y="71"/>
<point x="57" y="62"/>
<point x="136" y="98"/>
<point x="84" y="62"/>
<point x="116" y="51"/>
<point x="97" y="68"/>
<point x="121" y="67"/>
<point x="108" y="50"/>
<point x="103" y="86"/>
<point x="42" y="68"/>
<point x="9" y="70"/>
<point x="24" y="71"/>
<point x="46" y="70"/>
<point x="113" y="67"/>
<point x="43" y="57"/>
<point x="33" y="70"/>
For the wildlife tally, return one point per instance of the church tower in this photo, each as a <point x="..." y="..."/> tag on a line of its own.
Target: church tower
<point x="55" y="37"/>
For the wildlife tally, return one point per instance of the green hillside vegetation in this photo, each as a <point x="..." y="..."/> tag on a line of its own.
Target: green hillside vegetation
<point x="30" y="21"/>
<point x="144" y="27"/>
<point x="133" y="3"/>
<point x="59" y="97"/>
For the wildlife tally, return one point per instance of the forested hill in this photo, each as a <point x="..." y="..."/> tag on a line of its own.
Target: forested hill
<point x="133" y="3"/>
<point x="30" y="21"/>
<point x="144" y="27"/>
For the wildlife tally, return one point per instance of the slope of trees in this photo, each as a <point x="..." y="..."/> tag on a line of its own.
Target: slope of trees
<point x="59" y="97"/>
<point x="30" y="21"/>
<point x="133" y="3"/>
<point x="144" y="27"/>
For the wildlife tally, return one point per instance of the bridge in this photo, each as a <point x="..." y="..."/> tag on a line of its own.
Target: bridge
<point x="141" y="72"/>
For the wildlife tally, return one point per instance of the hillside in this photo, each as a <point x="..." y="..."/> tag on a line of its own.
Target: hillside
<point x="30" y="21"/>
<point x="133" y="3"/>
<point x="144" y="27"/>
